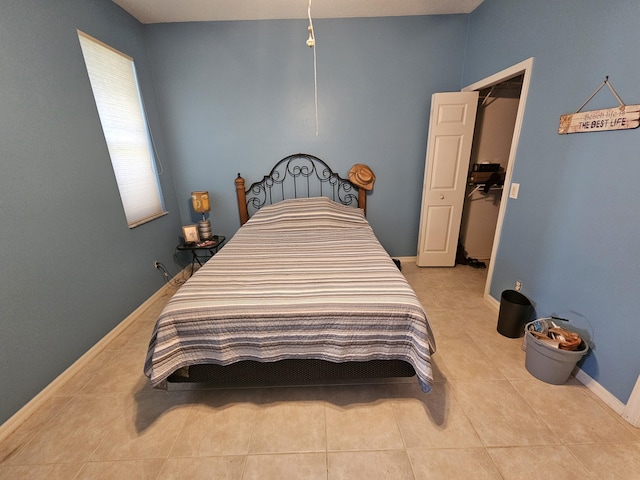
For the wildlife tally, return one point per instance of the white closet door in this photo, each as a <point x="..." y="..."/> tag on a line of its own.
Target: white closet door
<point x="449" y="142"/>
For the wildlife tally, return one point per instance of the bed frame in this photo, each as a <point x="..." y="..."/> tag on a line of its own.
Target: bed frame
<point x="296" y="176"/>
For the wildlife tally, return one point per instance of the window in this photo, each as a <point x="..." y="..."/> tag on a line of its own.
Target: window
<point x="115" y="89"/>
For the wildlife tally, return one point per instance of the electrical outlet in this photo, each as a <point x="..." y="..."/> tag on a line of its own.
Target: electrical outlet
<point x="156" y="264"/>
<point x="518" y="285"/>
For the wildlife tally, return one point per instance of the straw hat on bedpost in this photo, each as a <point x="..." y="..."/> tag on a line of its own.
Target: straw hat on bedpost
<point x="363" y="177"/>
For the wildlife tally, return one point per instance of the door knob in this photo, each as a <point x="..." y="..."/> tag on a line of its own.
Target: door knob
<point x="441" y="197"/>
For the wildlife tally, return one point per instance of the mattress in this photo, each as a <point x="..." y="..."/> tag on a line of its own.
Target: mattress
<point x="303" y="278"/>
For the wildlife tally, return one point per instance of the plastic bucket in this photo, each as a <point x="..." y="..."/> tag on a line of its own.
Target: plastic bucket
<point x="515" y="311"/>
<point x="550" y="364"/>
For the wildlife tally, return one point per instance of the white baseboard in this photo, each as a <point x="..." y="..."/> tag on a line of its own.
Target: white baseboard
<point x="406" y="259"/>
<point x="36" y="402"/>
<point x="631" y="411"/>
<point x="493" y="303"/>
<point x="611" y="401"/>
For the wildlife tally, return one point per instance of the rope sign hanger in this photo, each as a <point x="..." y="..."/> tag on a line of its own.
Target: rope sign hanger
<point x="608" y="84"/>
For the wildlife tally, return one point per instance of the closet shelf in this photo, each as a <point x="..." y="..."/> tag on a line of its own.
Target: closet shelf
<point x="478" y="186"/>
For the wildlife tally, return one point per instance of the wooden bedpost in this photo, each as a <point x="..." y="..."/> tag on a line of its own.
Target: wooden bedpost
<point x="242" y="200"/>
<point x="362" y="200"/>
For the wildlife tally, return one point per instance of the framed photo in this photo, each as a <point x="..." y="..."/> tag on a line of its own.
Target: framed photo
<point x="190" y="233"/>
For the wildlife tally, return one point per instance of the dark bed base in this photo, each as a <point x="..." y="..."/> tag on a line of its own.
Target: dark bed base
<point x="286" y="372"/>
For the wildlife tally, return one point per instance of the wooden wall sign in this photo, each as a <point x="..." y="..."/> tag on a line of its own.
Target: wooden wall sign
<point x="623" y="117"/>
<point x="617" y="118"/>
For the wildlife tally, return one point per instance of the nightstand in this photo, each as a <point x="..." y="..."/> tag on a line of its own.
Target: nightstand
<point x="203" y="251"/>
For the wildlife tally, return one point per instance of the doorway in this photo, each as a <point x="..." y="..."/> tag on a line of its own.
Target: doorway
<point x="493" y="134"/>
<point x="500" y="123"/>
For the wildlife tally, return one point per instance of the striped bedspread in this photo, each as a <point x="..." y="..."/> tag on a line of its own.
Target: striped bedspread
<point x="303" y="278"/>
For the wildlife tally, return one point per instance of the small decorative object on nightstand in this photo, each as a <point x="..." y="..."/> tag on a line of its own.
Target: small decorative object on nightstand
<point x="203" y="250"/>
<point x="200" y="201"/>
<point x="190" y="233"/>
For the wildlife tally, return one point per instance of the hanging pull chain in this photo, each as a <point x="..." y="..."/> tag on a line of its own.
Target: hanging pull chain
<point x="311" y="42"/>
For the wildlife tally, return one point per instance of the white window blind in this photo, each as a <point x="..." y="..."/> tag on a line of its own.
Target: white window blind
<point x="115" y="87"/>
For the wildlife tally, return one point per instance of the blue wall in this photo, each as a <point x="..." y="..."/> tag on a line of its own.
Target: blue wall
<point x="571" y="237"/>
<point x="71" y="268"/>
<point x="238" y="96"/>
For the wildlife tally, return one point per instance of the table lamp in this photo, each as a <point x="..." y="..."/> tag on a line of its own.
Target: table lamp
<point x="200" y="201"/>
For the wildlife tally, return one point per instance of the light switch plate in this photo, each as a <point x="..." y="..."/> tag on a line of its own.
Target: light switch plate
<point x="513" y="192"/>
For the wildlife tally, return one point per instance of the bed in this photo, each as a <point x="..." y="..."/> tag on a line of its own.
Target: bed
<point x="303" y="292"/>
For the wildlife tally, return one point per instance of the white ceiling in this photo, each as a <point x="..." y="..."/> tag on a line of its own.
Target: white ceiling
<point x="167" y="11"/>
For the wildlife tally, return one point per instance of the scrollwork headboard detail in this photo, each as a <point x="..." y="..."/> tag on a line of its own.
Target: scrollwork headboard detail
<point x="299" y="176"/>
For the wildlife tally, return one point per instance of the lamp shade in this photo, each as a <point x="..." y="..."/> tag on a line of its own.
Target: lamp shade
<point x="200" y="201"/>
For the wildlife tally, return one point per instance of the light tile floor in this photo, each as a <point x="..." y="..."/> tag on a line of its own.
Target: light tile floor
<point x="486" y="418"/>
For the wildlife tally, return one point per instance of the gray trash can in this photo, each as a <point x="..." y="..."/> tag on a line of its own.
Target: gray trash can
<point x="515" y="311"/>
<point x="550" y="364"/>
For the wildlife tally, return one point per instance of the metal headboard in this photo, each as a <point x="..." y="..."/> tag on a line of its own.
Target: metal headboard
<point x="297" y="176"/>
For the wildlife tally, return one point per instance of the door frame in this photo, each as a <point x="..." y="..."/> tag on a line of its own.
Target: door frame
<point x="523" y="68"/>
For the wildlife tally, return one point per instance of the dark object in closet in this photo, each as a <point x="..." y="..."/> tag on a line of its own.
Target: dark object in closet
<point x="480" y="178"/>
<point x="475" y="263"/>
<point x="462" y="259"/>
<point x="494" y="179"/>
<point x="461" y="255"/>
<point x="485" y="167"/>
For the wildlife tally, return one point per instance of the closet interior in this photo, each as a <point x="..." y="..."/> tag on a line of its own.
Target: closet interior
<point x="493" y="134"/>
